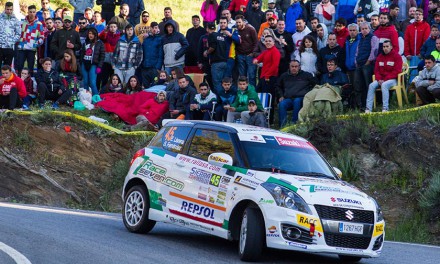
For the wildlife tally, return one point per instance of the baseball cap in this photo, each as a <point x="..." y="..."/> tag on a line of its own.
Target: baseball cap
<point x="67" y="17"/>
<point x="251" y="102"/>
<point x="271" y="2"/>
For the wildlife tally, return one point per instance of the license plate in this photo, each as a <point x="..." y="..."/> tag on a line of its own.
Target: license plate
<point x="351" y="228"/>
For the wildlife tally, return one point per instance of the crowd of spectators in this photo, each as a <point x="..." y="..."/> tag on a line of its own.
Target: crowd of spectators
<point x="240" y="49"/>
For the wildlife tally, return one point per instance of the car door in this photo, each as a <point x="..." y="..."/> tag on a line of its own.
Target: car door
<point x="204" y="197"/>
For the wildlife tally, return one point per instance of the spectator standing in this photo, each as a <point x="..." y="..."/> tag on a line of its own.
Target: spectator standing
<point x="175" y="46"/>
<point x="98" y="22"/>
<point x="294" y="12"/>
<point x="65" y="38"/>
<point x="326" y="12"/>
<point x="45" y="5"/>
<point x="144" y="27"/>
<point x="109" y="37"/>
<point x="10" y="32"/>
<point x="127" y="55"/>
<point x="366" y="8"/>
<point x="108" y="8"/>
<point x="331" y="51"/>
<point x="209" y="11"/>
<point x="202" y="104"/>
<point x="79" y="7"/>
<point x="92" y="56"/>
<point x="32" y="36"/>
<point x="168" y="16"/>
<point x="152" y="46"/>
<point x="365" y="58"/>
<point x="122" y="19"/>
<point x="415" y="36"/>
<point x="428" y="81"/>
<point x="193" y="36"/>
<point x="351" y="46"/>
<point x="387" y="68"/>
<point x="12" y="89"/>
<point x="244" y="49"/>
<point x="292" y="86"/>
<point x="136" y="8"/>
<point x="254" y="16"/>
<point x="341" y="31"/>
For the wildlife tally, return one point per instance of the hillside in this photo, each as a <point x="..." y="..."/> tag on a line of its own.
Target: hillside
<point x="43" y="163"/>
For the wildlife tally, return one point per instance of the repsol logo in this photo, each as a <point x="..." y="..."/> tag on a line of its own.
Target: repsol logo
<point x="197" y="209"/>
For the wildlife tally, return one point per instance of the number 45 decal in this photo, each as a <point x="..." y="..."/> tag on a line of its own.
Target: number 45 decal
<point x="215" y="180"/>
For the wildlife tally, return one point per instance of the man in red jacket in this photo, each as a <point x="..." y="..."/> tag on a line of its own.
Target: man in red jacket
<point x="415" y="35"/>
<point x="387" y="68"/>
<point x="12" y="89"/>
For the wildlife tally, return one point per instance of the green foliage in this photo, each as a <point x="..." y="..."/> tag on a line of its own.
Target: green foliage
<point x="430" y="198"/>
<point x="411" y="228"/>
<point x="348" y="165"/>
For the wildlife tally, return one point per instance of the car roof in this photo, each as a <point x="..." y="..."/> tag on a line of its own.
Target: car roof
<point x="233" y="127"/>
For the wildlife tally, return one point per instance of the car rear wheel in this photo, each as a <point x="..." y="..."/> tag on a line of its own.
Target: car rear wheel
<point x="349" y="259"/>
<point x="252" y="235"/>
<point x="135" y="210"/>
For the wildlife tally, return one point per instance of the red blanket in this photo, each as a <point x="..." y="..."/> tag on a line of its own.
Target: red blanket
<point x="124" y="105"/>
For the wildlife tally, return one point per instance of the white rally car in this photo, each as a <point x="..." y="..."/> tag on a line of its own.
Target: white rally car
<point x="259" y="186"/>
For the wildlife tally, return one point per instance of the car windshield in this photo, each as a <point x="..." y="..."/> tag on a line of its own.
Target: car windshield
<point x="282" y="154"/>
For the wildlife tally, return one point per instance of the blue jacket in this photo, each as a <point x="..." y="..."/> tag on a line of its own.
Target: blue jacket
<point x="350" y="53"/>
<point x="153" y="52"/>
<point x="335" y="78"/>
<point x="427" y="47"/>
<point x="294" y="12"/>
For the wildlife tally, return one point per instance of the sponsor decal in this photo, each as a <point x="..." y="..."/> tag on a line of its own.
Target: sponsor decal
<point x="246" y="182"/>
<point x="305" y="221"/>
<point x="200" y="175"/>
<point x="378" y="229"/>
<point x="251" y="138"/>
<point x="345" y="200"/>
<point x="202" y="196"/>
<point x="262" y="201"/>
<point x="199" y="163"/>
<point x="298" y="245"/>
<point x="290" y="142"/>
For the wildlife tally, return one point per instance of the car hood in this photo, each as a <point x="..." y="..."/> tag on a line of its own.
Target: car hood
<point x="328" y="192"/>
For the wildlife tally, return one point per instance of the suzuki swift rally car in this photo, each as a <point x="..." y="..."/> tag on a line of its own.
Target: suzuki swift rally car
<point x="259" y="186"/>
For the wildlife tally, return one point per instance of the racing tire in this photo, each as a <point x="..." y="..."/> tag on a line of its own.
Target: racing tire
<point x="349" y="259"/>
<point x="252" y="237"/>
<point x="135" y="210"/>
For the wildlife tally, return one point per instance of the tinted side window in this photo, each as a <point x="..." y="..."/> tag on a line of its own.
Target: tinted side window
<point x="171" y="138"/>
<point x="206" y="142"/>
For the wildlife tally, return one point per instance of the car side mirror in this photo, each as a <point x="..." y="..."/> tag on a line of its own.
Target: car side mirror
<point x="338" y="171"/>
<point x="219" y="159"/>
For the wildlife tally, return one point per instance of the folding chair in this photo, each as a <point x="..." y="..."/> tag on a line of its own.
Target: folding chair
<point x="399" y="88"/>
<point x="266" y="102"/>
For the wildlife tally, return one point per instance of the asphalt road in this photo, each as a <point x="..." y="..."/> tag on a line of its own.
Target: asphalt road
<point x="34" y="234"/>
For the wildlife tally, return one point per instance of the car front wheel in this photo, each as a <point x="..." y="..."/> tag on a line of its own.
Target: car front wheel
<point x="252" y="235"/>
<point x="135" y="210"/>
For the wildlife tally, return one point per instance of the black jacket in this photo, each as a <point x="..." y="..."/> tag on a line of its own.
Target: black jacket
<point x="291" y="86"/>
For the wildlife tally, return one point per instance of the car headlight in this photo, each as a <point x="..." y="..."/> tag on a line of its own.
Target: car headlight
<point x="287" y="198"/>
<point x="379" y="214"/>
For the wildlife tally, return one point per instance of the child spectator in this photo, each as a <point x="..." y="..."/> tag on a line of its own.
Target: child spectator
<point x="50" y="87"/>
<point x="202" y="104"/>
<point x="307" y="55"/>
<point x="31" y="88"/>
<point x="12" y="89"/>
<point x="92" y="54"/>
<point x="225" y="99"/>
<point x="114" y="86"/>
<point x="133" y="85"/>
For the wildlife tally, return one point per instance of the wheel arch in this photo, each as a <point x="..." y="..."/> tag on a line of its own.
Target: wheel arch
<point x="236" y="214"/>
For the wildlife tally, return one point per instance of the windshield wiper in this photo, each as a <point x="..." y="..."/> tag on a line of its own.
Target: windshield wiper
<point x="314" y="174"/>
